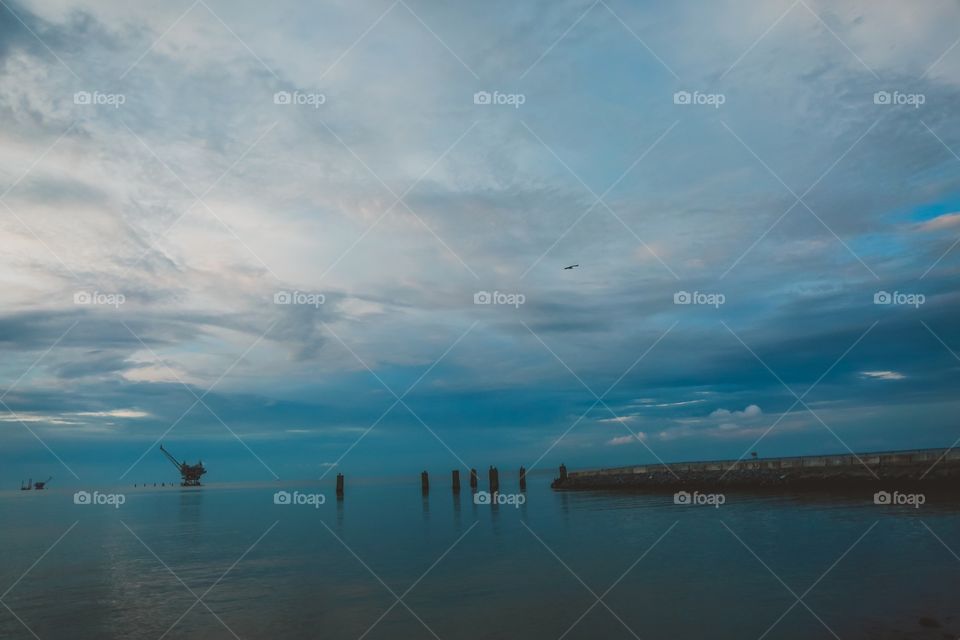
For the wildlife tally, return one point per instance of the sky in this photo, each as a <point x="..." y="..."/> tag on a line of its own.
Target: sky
<point x="290" y="239"/>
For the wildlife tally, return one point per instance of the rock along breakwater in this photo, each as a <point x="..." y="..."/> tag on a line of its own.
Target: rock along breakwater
<point x="939" y="467"/>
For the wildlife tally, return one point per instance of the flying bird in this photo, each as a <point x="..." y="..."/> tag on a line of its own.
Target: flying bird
<point x="571" y="266"/>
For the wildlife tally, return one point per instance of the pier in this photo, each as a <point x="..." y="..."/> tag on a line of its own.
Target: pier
<point x="921" y="466"/>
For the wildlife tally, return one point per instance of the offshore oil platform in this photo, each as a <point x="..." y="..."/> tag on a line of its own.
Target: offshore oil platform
<point x="189" y="474"/>
<point x="35" y="486"/>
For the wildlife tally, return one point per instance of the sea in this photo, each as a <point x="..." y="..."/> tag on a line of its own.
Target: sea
<point x="292" y="561"/>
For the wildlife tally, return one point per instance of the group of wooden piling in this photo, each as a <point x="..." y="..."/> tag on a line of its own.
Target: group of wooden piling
<point x="494" y="481"/>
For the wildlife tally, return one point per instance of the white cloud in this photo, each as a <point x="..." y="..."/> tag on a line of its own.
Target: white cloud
<point x="114" y="413"/>
<point x="622" y="440"/>
<point x="884" y="375"/>
<point x="679" y="404"/>
<point x="945" y="221"/>
<point x="72" y="417"/>
<point x="751" y="411"/>
<point x="37" y="417"/>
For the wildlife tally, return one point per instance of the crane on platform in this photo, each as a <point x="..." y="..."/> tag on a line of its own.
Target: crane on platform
<point x="189" y="474"/>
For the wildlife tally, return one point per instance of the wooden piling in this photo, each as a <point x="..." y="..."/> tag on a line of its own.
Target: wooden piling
<point x="494" y="480"/>
<point x="474" y="479"/>
<point x="456" y="481"/>
<point x="523" y="479"/>
<point x="424" y="482"/>
<point x="339" y="485"/>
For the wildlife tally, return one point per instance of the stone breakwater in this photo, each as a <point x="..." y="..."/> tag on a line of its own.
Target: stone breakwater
<point x="929" y="467"/>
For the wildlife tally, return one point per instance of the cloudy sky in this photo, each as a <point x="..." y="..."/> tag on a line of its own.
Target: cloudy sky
<point x="257" y="232"/>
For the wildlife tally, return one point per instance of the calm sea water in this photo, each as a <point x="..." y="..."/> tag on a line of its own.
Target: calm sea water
<point x="463" y="570"/>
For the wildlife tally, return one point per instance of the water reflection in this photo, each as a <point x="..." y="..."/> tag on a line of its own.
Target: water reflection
<point x="190" y="505"/>
<point x="299" y="578"/>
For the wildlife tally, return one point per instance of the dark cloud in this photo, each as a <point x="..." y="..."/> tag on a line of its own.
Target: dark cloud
<point x="292" y="200"/>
